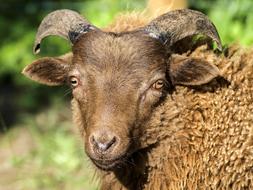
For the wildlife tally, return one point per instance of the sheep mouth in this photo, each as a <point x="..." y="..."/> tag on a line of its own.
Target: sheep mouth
<point x="108" y="165"/>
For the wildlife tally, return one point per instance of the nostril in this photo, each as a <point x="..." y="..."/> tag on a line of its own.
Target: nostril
<point x="103" y="145"/>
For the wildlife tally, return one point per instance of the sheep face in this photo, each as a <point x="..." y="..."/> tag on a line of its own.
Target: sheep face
<point x="116" y="81"/>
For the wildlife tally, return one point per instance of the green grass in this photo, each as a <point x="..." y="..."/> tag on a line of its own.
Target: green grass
<point x="45" y="153"/>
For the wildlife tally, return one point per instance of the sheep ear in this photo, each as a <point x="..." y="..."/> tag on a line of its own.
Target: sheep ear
<point x="190" y="71"/>
<point x="51" y="71"/>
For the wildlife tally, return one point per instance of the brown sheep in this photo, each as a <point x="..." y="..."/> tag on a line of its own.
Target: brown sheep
<point x="151" y="118"/>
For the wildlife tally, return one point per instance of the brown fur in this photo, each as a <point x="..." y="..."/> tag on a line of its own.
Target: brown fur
<point x="195" y="137"/>
<point x="198" y="138"/>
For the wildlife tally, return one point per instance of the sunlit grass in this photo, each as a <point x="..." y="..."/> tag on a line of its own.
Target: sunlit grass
<point x="44" y="153"/>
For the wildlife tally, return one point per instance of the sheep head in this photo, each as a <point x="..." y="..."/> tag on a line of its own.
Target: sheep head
<point x="117" y="79"/>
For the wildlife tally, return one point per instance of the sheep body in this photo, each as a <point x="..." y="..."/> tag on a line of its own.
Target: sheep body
<point x="140" y="129"/>
<point x="197" y="138"/>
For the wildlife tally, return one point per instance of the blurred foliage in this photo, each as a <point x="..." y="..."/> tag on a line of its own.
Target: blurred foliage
<point x="233" y="19"/>
<point x="39" y="156"/>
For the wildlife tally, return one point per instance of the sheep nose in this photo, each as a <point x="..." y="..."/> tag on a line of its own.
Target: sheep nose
<point x="103" y="142"/>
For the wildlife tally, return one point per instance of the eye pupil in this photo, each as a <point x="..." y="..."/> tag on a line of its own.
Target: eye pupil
<point x="74" y="81"/>
<point x="158" y="85"/>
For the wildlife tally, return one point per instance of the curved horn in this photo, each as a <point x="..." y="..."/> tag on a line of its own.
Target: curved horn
<point x="176" y="25"/>
<point x="65" y="23"/>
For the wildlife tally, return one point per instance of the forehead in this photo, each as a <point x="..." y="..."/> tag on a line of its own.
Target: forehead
<point x="102" y="50"/>
<point x="117" y="61"/>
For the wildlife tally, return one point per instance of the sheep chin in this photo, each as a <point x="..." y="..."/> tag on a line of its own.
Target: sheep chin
<point x="109" y="165"/>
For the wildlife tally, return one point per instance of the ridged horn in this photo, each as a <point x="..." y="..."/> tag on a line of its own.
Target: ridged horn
<point x="179" y="24"/>
<point x="65" y="23"/>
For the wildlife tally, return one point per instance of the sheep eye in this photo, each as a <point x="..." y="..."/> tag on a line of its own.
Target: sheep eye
<point x="73" y="81"/>
<point x="158" y="85"/>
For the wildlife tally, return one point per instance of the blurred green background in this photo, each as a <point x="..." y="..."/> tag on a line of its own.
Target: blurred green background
<point x="38" y="149"/>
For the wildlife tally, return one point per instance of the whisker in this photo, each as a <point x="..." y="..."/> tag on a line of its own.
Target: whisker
<point x="67" y="92"/>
